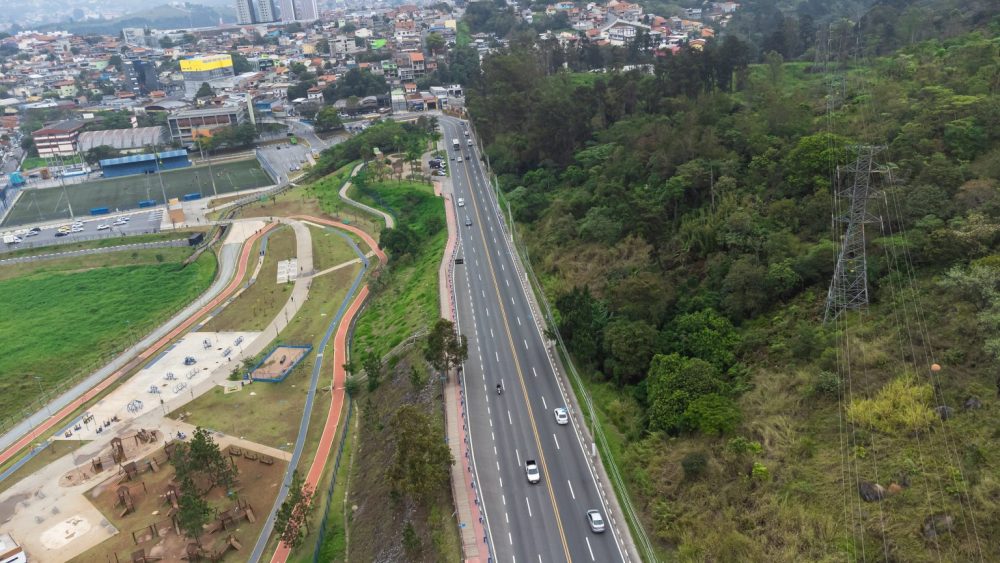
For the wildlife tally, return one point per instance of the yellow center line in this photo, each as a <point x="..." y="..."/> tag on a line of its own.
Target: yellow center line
<point x="517" y="364"/>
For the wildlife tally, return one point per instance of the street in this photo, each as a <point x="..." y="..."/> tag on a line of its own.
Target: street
<point x="525" y="522"/>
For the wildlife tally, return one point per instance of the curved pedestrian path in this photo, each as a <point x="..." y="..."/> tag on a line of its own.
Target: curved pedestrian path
<point x="86" y="390"/>
<point x="390" y="222"/>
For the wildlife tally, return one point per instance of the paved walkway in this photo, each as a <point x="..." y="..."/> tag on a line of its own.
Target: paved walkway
<point x="466" y="504"/>
<point x="390" y="223"/>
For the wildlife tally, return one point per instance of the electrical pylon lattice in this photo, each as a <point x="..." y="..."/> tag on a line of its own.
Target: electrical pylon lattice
<point x="849" y="287"/>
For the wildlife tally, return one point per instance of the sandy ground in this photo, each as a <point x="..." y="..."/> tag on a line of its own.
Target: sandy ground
<point x="168" y="375"/>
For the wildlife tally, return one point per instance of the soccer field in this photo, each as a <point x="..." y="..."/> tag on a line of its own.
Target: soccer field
<point x="47" y="204"/>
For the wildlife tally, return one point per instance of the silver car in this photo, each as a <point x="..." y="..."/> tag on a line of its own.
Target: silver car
<point x="562" y="416"/>
<point x="595" y="521"/>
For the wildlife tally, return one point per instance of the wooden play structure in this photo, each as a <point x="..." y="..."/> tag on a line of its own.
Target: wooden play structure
<point x="196" y="552"/>
<point x="231" y="518"/>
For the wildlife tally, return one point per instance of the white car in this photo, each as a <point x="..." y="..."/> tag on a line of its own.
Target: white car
<point x="461" y="202"/>
<point x="460" y="159"/>
<point x="77" y="225"/>
<point x="76" y="229"/>
<point x="103" y="227"/>
<point x="531" y="470"/>
<point x="562" y="416"/>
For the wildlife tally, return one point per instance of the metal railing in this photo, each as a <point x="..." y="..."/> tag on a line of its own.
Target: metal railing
<point x="72" y="239"/>
<point x="100" y="250"/>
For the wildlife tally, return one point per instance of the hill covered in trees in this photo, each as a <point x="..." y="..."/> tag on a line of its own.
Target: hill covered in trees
<point x="681" y="223"/>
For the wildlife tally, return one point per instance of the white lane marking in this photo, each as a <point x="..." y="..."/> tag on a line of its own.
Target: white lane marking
<point x="498" y="356"/>
<point x="480" y="276"/>
<point x="502" y="267"/>
<point x="498" y="465"/>
<point x="525" y="343"/>
<point x="483" y="291"/>
<point x="519" y="321"/>
<point x="557" y="441"/>
<point x="518" y="454"/>
<point x="533" y="371"/>
<point x="507" y="518"/>
<point x="491" y="333"/>
<point x="494" y="239"/>
<point x="495" y="450"/>
<point x="588" y="548"/>
<point x="501" y="481"/>
<point x="571" y="493"/>
<point x="504" y="499"/>
<point x="508" y="282"/>
<point x="539" y="558"/>
<point x="511" y="420"/>
<point x="487" y="311"/>
<point x="528" y="504"/>
<point x="544" y="406"/>
<point x="492" y="435"/>
<point x="511" y="540"/>
<point x="511" y="299"/>
<point x="491" y="423"/>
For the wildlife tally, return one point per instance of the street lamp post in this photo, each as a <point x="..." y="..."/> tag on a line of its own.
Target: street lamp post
<point x="38" y="381"/>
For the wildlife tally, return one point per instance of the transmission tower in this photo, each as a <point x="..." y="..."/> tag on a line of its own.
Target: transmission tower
<point x="849" y="287"/>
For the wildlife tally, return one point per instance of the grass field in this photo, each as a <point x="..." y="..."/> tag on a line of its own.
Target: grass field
<point x="255" y="308"/>
<point x="58" y="324"/>
<point x="409" y="299"/>
<point x="271" y="416"/>
<point x="49" y="204"/>
<point x="330" y="249"/>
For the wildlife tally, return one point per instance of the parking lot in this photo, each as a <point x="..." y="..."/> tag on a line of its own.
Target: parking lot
<point x="127" y="224"/>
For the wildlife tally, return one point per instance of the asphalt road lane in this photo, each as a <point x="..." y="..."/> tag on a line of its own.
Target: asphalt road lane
<point x="140" y="222"/>
<point x="506" y="430"/>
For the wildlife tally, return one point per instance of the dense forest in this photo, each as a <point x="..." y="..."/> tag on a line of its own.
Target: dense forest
<point x="685" y="225"/>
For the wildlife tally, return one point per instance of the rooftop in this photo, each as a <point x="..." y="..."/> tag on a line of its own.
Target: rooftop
<point x="60" y="128"/>
<point x="121" y="138"/>
<point x="142" y="158"/>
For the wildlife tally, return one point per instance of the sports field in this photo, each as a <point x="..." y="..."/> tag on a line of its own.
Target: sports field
<point x="48" y="204"/>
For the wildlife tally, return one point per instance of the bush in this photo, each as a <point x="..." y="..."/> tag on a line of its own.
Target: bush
<point x="694" y="465"/>
<point x="826" y="384"/>
<point x="712" y="414"/>
<point x="900" y="406"/>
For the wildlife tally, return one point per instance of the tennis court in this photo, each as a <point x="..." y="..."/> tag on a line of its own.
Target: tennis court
<point x="48" y="204"/>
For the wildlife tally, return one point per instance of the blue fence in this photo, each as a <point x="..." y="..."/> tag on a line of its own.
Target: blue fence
<point x="308" y="348"/>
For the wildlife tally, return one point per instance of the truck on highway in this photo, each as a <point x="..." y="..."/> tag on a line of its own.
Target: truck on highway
<point x="454" y="143"/>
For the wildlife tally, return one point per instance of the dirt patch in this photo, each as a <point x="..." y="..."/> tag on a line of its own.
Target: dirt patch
<point x="142" y="510"/>
<point x="279" y="363"/>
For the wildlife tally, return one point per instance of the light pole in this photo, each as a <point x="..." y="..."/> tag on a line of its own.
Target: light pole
<point x="38" y="381"/>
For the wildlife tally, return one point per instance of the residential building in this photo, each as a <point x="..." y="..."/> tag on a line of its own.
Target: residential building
<point x="58" y="139"/>
<point x="244" y="12"/>
<point x="199" y="70"/>
<point x="265" y="11"/>
<point x="186" y="126"/>
<point x="141" y="76"/>
<point x="299" y="10"/>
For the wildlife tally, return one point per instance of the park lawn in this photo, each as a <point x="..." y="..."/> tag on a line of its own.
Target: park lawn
<point x="271" y="416"/>
<point x="408" y="299"/>
<point x="256" y="307"/>
<point x="145" y="256"/>
<point x="57" y="326"/>
<point x="330" y="249"/>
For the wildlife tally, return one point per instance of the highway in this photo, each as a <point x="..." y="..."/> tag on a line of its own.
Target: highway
<point x="542" y="522"/>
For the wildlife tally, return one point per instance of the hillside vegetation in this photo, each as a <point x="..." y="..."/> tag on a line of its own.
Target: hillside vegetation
<point x="681" y="224"/>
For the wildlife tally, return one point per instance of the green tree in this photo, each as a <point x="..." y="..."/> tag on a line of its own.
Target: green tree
<point x="372" y="364"/>
<point x="435" y="43"/>
<point x="240" y="63"/>
<point x="166" y="42"/>
<point x="706" y="335"/>
<point x="422" y="459"/>
<point x="292" y="519"/>
<point x="205" y="91"/>
<point x="712" y="414"/>
<point x="628" y="347"/>
<point x="674" y="382"/>
<point x="192" y="510"/>
<point x="445" y="348"/>
<point x="100" y="152"/>
<point x="327" y="119"/>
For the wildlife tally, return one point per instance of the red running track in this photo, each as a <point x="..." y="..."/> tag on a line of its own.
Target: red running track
<point x="339" y="374"/>
<point x="143" y="356"/>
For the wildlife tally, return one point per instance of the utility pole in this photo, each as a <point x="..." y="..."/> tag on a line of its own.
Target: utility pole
<point x="849" y="287"/>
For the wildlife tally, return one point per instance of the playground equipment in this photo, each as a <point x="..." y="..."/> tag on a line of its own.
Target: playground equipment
<point x="170" y="376"/>
<point x="117" y="450"/>
<point x="190" y="361"/>
<point x="154" y="389"/>
<point x="125" y="501"/>
<point x="180" y="387"/>
<point x="206" y="344"/>
<point x="135" y="405"/>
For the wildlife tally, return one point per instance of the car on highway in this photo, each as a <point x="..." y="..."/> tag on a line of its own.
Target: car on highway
<point x="468" y="221"/>
<point x="461" y="202"/>
<point x="76" y="230"/>
<point x="595" y="521"/>
<point x="119" y="223"/>
<point x="453" y="157"/>
<point x="103" y="227"/>
<point x="77" y="224"/>
<point x="61" y="233"/>
<point x="460" y="159"/>
<point x="562" y="416"/>
<point x="532" y="472"/>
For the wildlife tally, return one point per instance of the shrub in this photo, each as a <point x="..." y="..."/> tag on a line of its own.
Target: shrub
<point x="900" y="406"/>
<point x="694" y="465"/>
<point x="712" y="414"/>
<point x="740" y="445"/>
<point x="759" y="473"/>
<point x="827" y="384"/>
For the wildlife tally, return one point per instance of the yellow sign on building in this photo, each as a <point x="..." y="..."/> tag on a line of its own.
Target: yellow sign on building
<point x="211" y="62"/>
